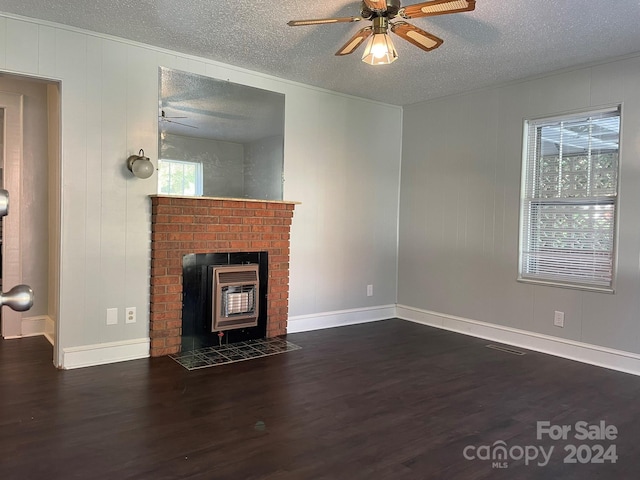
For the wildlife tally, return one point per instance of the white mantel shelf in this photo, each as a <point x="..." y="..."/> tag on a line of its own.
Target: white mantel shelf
<point x="229" y="199"/>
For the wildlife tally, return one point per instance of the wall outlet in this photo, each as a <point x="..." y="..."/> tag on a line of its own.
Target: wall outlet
<point x="130" y="315"/>
<point x="369" y="290"/>
<point x="558" y="319"/>
<point x="112" y="316"/>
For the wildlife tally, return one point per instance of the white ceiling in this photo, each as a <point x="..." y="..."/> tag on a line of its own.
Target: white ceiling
<point x="501" y="40"/>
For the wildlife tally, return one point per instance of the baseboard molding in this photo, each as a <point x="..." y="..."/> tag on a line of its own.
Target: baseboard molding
<point x="51" y="337"/>
<point x="102" y="353"/>
<point x="339" y="318"/>
<point x="582" y="352"/>
<point x="39" y="325"/>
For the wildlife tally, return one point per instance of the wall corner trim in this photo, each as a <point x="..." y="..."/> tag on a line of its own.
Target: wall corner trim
<point x="103" y="353"/>
<point x="619" y="360"/>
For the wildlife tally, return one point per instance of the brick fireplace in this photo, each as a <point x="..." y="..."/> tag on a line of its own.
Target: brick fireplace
<point x="186" y="225"/>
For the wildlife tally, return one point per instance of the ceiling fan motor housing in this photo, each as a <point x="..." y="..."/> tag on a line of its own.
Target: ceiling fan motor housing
<point x="393" y="6"/>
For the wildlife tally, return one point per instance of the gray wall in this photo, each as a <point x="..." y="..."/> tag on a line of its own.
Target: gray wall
<point x="459" y="207"/>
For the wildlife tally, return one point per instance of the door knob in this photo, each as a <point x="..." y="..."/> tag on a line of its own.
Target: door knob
<point x="19" y="298"/>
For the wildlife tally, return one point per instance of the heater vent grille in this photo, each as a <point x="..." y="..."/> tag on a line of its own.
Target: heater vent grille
<point x="238" y="277"/>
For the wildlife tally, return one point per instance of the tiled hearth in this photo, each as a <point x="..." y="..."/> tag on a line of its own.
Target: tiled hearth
<point x="237" y="352"/>
<point x="184" y="225"/>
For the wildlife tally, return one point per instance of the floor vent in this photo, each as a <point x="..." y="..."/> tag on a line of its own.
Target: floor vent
<point x="512" y="351"/>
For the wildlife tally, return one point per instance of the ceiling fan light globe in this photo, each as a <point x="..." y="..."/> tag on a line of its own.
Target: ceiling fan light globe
<point x="380" y="50"/>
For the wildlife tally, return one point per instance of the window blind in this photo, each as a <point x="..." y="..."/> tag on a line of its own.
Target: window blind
<point x="569" y="201"/>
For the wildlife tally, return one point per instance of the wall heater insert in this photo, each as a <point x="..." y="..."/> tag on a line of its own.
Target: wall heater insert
<point x="235" y="296"/>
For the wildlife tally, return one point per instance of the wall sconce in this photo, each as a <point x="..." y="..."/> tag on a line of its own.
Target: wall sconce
<point x="140" y="165"/>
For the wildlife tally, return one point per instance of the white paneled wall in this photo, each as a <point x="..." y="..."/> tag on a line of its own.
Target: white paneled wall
<point x="349" y="180"/>
<point x="460" y="191"/>
<point x="342" y="158"/>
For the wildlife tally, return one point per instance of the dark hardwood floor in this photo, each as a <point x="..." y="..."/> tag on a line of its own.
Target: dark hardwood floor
<point x="385" y="400"/>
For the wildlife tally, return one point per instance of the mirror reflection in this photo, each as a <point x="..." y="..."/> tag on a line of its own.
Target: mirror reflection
<point x="219" y="139"/>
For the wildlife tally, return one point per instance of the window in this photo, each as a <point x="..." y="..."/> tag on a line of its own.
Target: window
<point x="177" y="177"/>
<point x="569" y="200"/>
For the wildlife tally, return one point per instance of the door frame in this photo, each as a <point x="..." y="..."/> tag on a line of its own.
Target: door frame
<point x="55" y="203"/>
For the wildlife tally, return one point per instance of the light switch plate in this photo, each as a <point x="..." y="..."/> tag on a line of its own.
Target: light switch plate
<point x="558" y="319"/>
<point x="112" y="316"/>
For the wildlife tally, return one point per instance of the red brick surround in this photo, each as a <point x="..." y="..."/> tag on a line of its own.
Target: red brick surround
<point x="183" y="225"/>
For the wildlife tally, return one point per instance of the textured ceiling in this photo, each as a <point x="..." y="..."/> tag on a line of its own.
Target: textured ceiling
<point x="501" y="40"/>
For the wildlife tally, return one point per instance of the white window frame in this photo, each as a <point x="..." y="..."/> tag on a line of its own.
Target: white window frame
<point x="164" y="162"/>
<point x="592" y="266"/>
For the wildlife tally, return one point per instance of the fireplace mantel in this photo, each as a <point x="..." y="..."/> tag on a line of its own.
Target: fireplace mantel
<point x="228" y="199"/>
<point x="185" y="225"/>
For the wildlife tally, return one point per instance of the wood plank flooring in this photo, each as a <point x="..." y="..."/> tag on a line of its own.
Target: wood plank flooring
<point x="385" y="400"/>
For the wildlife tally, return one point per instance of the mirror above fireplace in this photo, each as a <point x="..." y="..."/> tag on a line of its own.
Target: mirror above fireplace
<point x="218" y="138"/>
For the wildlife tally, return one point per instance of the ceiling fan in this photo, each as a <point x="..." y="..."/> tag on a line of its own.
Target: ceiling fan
<point x="171" y="119"/>
<point x="384" y="15"/>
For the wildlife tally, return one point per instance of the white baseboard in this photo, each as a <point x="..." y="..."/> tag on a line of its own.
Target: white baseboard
<point x="339" y="318"/>
<point x="102" y="353"/>
<point x="51" y="337"/>
<point x="89" y="355"/>
<point x="40" y="325"/>
<point x="582" y="352"/>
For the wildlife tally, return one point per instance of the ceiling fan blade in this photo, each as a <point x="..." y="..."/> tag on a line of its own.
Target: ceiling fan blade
<point x="322" y="21"/>
<point x="355" y="41"/>
<point x="416" y="36"/>
<point x="378" y="5"/>
<point x="437" y="7"/>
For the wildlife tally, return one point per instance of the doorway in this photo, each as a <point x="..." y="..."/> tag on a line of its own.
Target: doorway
<point x="1" y="183"/>
<point x="30" y="172"/>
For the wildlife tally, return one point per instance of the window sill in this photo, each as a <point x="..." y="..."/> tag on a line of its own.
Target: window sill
<point x="572" y="286"/>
